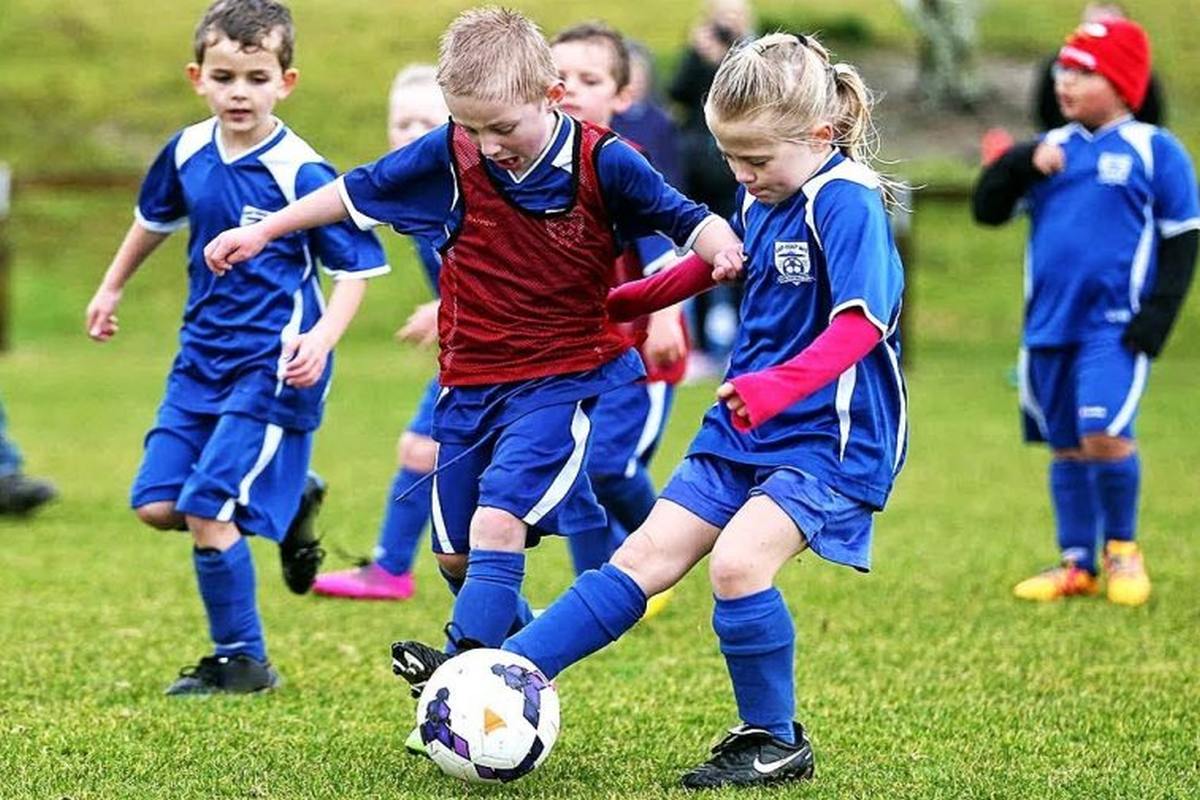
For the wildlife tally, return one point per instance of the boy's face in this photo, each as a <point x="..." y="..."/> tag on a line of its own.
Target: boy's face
<point x="510" y="135"/>
<point x="1087" y="97"/>
<point x="586" y="70"/>
<point x="771" y="169"/>
<point x="242" y="87"/>
<point x="414" y="113"/>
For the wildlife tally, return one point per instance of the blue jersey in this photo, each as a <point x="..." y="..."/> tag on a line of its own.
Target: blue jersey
<point x="234" y="327"/>
<point x="431" y="262"/>
<point x="825" y="249"/>
<point x="1096" y="225"/>
<point x="413" y="189"/>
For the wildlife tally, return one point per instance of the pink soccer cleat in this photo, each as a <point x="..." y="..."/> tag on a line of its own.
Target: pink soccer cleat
<point x="370" y="582"/>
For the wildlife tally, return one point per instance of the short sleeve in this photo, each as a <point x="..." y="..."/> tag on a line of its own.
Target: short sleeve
<point x="343" y="250"/>
<point x="162" y="206"/>
<point x="641" y="201"/>
<point x="411" y="189"/>
<point x="1176" y="208"/>
<point x="655" y="252"/>
<point x="862" y="263"/>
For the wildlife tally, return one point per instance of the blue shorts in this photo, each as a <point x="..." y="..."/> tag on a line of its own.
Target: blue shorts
<point x="628" y="424"/>
<point x="230" y="468"/>
<point x="837" y="528"/>
<point x="422" y="421"/>
<point x="532" y="467"/>
<point x="1070" y="392"/>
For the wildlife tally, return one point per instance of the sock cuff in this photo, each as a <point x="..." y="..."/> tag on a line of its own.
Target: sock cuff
<point x="238" y="552"/>
<point x="755" y="624"/>
<point x="627" y="583"/>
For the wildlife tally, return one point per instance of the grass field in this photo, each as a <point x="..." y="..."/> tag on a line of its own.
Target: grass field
<point x="921" y="680"/>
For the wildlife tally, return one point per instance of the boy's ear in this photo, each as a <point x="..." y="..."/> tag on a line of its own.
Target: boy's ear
<point x="556" y="93"/>
<point x="624" y="100"/>
<point x="192" y="70"/>
<point x="290" y="76"/>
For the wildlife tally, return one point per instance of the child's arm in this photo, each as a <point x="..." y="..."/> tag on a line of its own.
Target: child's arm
<point x="1002" y="184"/>
<point x="321" y="207"/>
<point x="1148" y="330"/>
<point x="101" y="315"/>
<point x="756" y="397"/>
<point x="307" y="354"/>
<point x="690" y="276"/>
<point x="665" y="342"/>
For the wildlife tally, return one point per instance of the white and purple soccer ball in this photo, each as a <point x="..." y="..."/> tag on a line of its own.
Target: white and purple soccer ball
<point x="488" y="716"/>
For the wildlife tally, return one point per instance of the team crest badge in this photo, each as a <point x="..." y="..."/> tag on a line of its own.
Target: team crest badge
<point x="1113" y="168"/>
<point x="792" y="264"/>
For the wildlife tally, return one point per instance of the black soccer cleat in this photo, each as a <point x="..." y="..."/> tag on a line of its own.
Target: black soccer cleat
<point x="300" y="552"/>
<point x="416" y="662"/>
<point x="237" y="674"/>
<point x="21" y="494"/>
<point x="751" y="757"/>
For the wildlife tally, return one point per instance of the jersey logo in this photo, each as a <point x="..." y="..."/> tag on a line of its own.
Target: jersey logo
<point x="251" y="215"/>
<point x="1113" y="168"/>
<point x="792" y="264"/>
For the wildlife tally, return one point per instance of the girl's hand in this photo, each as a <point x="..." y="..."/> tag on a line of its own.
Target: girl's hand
<point x="304" y="358"/>
<point x="733" y="401"/>
<point x="101" y="314"/>
<point x="422" y="325"/>
<point x="1049" y="158"/>
<point x="727" y="264"/>
<point x="233" y="247"/>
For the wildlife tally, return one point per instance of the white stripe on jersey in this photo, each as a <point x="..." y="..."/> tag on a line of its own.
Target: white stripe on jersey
<point x="1139" y="135"/>
<point x="1141" y="368"/>
<point x="1141" y="259"/>
<point x="845" y="394"/>
<point x="581" y="425"/>
<point x="193" y="139"/>
<point x="289" y="332"/>
<point x="902" y="393"/>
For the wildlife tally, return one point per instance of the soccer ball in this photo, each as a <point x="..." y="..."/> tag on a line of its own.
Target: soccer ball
<point x="488" y="716"/>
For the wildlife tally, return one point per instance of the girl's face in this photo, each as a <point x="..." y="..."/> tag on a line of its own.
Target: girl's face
<point x="771" y="169"/>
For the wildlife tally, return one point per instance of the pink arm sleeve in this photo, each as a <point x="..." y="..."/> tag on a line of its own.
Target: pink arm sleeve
<point x="691" y="276"/>
<point x="845" y="342"/>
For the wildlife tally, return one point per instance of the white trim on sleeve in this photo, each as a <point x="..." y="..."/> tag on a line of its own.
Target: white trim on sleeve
<point x="1168" y="228"/>
<point x="364" y="222"/>
<point x="159" y="227"/>
<point x="858" y="302"/>
<point x="356" y="274"/>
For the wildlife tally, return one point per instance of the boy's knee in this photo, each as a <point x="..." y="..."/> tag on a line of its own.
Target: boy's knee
<point x="733" y="574"/>
<point x="213" y="534"/>
<point x="496" y="529"/>
<point x="1102" y="447"/>
<point x="161" y="515"/>
<point x="416" y="452"/>
<point x="452" y="564"/>
<point x="651" y="567"/>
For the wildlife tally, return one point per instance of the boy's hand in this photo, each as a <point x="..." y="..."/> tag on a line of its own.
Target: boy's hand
<point x="1049" y="158"/>
<point x="233" y="247"/>
<point x="665" y="342"/>
<point x="101" y="315"/>
<point x="304" y="358"/>
<point x="422" y="325"/>
<point x="727" y="264"/>
<point x="733" y="401"/>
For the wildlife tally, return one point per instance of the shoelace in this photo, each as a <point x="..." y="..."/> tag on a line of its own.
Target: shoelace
<point x="1125" y="565"/>
<point x="204" y="668"/>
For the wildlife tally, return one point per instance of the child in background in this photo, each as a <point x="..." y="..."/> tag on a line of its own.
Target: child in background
<point x="811" y="428"/>
<point x="593" y="64"/>
<point x="229" y="451"/>
<point x="525" y="205"/>
<point x="415" y="107"/>
<point x="645" y="121"/>
<point x="1112" y="248"/>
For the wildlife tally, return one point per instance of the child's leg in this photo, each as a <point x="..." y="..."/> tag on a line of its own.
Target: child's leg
<point x="750" y="617"/>
<point x="602" y="604"/>
<point x="172" y="448"/>
<point x="1076" y="508"/>
<point x="225" y="574"/>
<point x="406" y="518"/>
<point x="486" y="606"/>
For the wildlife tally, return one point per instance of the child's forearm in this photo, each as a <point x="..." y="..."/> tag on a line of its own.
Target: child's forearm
<point x="690" y="276"/>
<point x="343" y="304"/>
<point x="322" y="207"/>
<point x="847" y="340"/>
<point x="715" y="237"/>
<point x="137" y="245"/>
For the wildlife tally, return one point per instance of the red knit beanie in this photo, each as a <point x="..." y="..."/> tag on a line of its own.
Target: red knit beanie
<point x="1115" y="48"/>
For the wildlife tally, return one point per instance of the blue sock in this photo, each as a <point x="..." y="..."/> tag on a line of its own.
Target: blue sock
<point x="600" y="606"/>
<point x="759" y="642"/>
<point x="1117" y="484"/>
<point x="227" y="588"/>
<point x="627" y="499"/>
<point x="590" y="549"/>
<point x="1076" y="510"/>
<point x="486" y="606"/>
<point x="524" y="611"/>
<point x="403" y="522"/>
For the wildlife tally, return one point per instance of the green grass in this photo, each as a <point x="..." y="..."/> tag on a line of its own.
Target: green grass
<point x="923" y="679"/>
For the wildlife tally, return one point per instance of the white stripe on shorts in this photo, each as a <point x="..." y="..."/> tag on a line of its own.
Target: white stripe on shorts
<point x="272" y="436"/>
<point x="657" y="392"/>
<point x="1141" y="367"/>
<point x="562" y="483"/>
<point x="439" y="522"/>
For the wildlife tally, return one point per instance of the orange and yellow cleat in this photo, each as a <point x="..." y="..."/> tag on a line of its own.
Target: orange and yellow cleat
<point x="1065" y="580"/>
<point x="1128" y="583"/>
